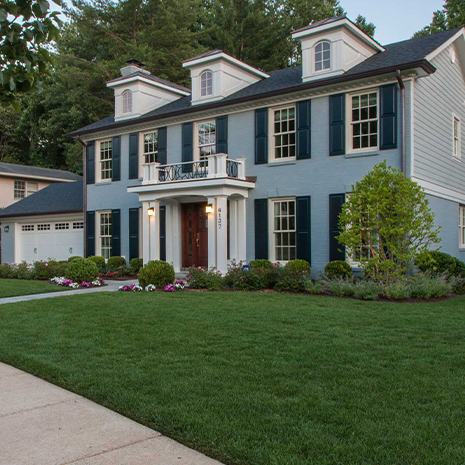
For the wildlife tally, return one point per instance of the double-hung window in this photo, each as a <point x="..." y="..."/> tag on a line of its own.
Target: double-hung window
<point x="323" y="56"/>
<point x="206" y="139"/>
<point x="283" y="130"/>
<point x="106" y="160"/>
<point x="364" y="124"/>
<point x="151" y="146"/>
<point x="283" y="238"/>
<point x="19" y="189"/>
<point x="31" y="188"/>
<point x="462" y="226"/>
<point x="456" y="129"/>
<point x="105" y="232"/>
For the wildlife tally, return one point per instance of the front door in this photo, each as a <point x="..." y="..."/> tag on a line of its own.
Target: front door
<point x="194" y="235"/>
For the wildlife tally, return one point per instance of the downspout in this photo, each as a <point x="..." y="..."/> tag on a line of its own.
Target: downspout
<point x="402" y="115"/>
<point x="84" y="193"/>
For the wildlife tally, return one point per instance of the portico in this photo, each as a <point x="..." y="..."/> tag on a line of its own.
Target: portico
<point x="194" y="214"/>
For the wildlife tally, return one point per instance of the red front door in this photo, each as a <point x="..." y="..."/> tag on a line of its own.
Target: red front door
<point x="194" y="235"/>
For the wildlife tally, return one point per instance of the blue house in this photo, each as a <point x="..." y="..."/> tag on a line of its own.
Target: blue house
<point x="247" y="164"/>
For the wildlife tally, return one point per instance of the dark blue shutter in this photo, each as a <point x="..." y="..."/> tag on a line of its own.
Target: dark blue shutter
<point x="133" y="156"/>
<point x="337" y="133"/>
<point x="133" y="233"/>
<point x="90" y="234"/>
<point x="162" y="146"/>
<point x="162" y="232"/>
<point x="388" y="117"/>
<point x="303" y="228"/>
<point x="116" y="158"/>
<point x="115" y="233"/>
<point x="336" y="250"/>
<point x="222" y="134"/>
<point x="304" y="129"/>
<point x="261" y="136"/>
<point x="187" y="146"/>
<point x="90" y="162"/>
<point x="261" y="228"/>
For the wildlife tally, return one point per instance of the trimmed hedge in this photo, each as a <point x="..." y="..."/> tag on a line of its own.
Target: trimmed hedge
<point x="158" y="273"/>
<point x="83" y="269"/>
<point x="338" y="269"/>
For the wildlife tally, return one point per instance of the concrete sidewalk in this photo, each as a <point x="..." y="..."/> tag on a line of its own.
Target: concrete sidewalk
<point x="42" y="424"/>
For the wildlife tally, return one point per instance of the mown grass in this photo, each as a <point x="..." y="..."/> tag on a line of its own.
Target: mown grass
<point x="260" y="378"/>
<point x="15" y="287"/>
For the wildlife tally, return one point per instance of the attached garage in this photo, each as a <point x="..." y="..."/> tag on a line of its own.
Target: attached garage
<point x="46" y="225"/>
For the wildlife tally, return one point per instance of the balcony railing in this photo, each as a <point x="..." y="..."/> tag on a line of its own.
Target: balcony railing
<point x="215" y="166"/>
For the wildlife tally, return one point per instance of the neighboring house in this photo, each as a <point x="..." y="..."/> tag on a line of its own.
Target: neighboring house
<point x="249" y="165"/>
<point x="49" y="224"/>
<point x="20" y="181"/>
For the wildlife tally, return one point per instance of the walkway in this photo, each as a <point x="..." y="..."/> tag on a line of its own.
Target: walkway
<point x="42" y="424"/>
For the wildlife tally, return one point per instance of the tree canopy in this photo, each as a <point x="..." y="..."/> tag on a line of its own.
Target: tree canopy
<point x="450" y="16"/>
<point x="98" y="36"/>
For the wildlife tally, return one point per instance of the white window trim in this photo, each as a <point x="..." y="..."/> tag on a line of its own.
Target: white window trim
<point x="196" y="146"/>
<point x="349" y="126"/>
<point x="461" y="226"/>
<point x="98" y="248"/>
<point x="127" y="104"/>
<point x="271" y="134"/>
<point x="324" y="70"/>
<point x="202" y="74"/>
<point x="457" y="156"/>
<point x="98" y="171"/>
<point x="142" y="147"/>
<point x="271" y="235"/>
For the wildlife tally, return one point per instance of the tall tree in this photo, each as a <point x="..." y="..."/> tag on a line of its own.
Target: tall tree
<point x="451" y="15"/>
<point x="26" y="29"/>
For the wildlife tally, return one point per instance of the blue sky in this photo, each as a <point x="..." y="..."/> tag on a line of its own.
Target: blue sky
<point x="395" y="20"/>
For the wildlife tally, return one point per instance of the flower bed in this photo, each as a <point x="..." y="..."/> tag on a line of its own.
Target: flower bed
<point x="178" y="285"/>
<point x="66" y="282"/>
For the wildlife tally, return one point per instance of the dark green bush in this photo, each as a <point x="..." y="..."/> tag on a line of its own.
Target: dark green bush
<point x="429" y="287"/>
<point x="135" y="265"/>
<point x="384" y="271"/>
<point x="83" y="269"/>
<point x="50" y="269"/>
<point x="5" y="271"/>
<point x="267" y="271"/>
<point x="116" y="263"/>
<point x="198" y="278"/>
<point x="293" y="277"/>
<point x="435" y="262"/>
<point x="70" y="259"/>
<point x="298" y="267"/>
<point x="158" y="273"/>
<point x="22" y="271"/>
<point x="100" y="262"/>
<point x="260" y="264"/>
<point x="243" y="280"/>
<point x="338" y="269"/>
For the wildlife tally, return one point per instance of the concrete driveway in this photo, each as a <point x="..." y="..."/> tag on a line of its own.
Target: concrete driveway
<point x="42" y="424"/>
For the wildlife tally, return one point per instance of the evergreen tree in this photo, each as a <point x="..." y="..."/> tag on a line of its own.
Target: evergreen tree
<point x="451" y="15"/>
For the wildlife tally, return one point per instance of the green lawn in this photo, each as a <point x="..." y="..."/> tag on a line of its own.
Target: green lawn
<point x="260" y="379"/>
<point x="14" y="287"/>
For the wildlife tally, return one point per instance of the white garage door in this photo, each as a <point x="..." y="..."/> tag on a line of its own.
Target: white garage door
<point x="57" y="240"/>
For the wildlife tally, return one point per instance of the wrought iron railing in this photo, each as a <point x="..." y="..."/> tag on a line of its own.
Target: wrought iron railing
<point x="183" y="171"/>
<point x="232" y="168"/>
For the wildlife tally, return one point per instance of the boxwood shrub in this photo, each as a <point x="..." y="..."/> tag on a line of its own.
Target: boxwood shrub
<point x="158" y="273"/>
<point x="338" y="269"/>
<point x="83" y="269"/>
<point x="135" y="265"/>
<point x="116" y="263"/>
<point x="199" y="278"/>
<point x="436" y="262"/>
<point x="100" y="262"/>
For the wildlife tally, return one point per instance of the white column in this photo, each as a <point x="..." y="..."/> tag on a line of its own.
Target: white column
<point x="173" y="234"/>
<point x="145" y="232"/>
<point x="233" y="231"/>
<point x="221" y="214"/>
<point x="241" y="168"/>
<point x="241" y="229"/>
<point x="151" y="231"/>
<point x="212" y="234"/>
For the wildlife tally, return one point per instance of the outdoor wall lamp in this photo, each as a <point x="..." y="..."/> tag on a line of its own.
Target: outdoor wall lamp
<point x="151" y="211"/>
<point x="209" y="208"/>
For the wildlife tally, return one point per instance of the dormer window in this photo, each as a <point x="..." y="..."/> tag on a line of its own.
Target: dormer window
<point x="206" y="83"/>
<point x="323" y="55"/>
<point x="127" y="101"/>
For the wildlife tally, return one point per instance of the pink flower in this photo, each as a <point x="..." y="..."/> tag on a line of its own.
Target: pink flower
<point x="170" y="288"/>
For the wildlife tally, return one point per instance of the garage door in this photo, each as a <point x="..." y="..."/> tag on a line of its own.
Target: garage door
<point x="50" y="240"/>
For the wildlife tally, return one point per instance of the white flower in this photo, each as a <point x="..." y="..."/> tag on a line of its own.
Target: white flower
<point x="150" y="288"/>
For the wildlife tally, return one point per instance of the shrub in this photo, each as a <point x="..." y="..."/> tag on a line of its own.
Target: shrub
<point x="199" y="278"/>
<point x="314" y="287"/>
<point x="22" y="271"/>
<point x="398" y="290"/>
<point x="5" y="271"/>
<point x="298" y="267"/>
<point x="458" y="284"/>
<point x="135" y="265"/>
<point x="244" y="280"/>
<point x="83" y="269"/>
<point x="70" y="259"/>
<point x="385" y="271"/>
<point x="158" y="273"/>
<point x="435" y="262"/>
<point x="340" y="287"/>
<point x="50" y="269"/>
<point x="429" y="287"/>
<point x="116" y="263"/>
<point x="100" y="262"/>
<point x="268" y="272"/>
<point x="338" y="269"/>
<point x="260" y="264"/>
<point x="367" y="290"/>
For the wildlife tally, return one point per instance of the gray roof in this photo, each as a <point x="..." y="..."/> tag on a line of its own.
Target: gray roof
<point x="401" y="55"/>
<point x="153" y="78"/>
<point x="36" y="171"/>
<point x="63" y="197"/>
<point x="322" y="23"/>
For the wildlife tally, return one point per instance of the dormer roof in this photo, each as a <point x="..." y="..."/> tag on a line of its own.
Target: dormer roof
<point x="333" y="23"/>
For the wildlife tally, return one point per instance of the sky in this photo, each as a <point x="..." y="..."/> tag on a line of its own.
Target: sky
<point x="395" y="20"/>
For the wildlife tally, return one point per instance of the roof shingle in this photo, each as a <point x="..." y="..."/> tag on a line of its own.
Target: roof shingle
<point x="26" y="170"/>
